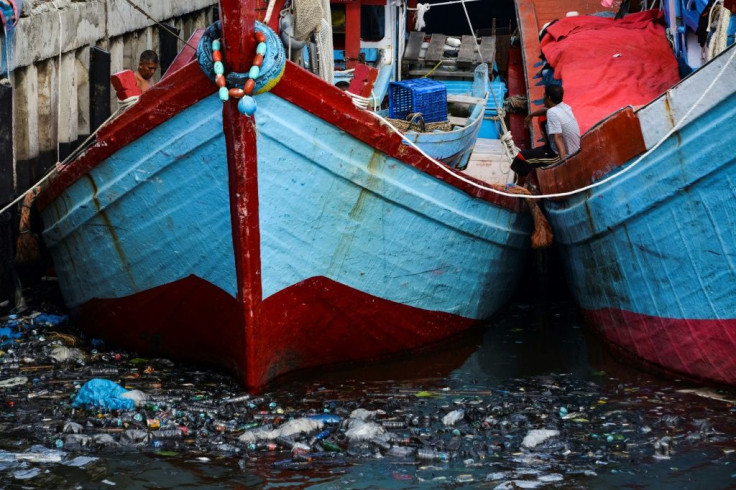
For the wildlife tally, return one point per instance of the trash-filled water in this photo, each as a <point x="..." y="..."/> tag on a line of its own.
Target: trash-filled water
<point x="531" y="401"/>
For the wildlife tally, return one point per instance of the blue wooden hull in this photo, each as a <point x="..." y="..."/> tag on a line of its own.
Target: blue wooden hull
<point x="324" y="212"/>
<point x="360" y="253"/>
<point x="650" y="255"/>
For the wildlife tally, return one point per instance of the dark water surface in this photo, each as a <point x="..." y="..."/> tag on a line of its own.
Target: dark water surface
<point x="533" y="367"/>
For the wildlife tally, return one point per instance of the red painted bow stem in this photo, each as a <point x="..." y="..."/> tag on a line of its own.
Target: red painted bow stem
<point x="238" y="27"/>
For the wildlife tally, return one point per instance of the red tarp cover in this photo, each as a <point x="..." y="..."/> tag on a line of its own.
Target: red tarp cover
<point x="606" y="64"/>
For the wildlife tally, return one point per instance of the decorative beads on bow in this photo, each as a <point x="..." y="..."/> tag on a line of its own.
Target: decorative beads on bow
<point x="246" y="104"/>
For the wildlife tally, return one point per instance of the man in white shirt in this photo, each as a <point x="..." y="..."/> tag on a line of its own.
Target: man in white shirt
<point x="563" y="135"/>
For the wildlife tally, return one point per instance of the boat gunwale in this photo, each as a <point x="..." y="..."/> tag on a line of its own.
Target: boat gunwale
<point x="188" y="85"/>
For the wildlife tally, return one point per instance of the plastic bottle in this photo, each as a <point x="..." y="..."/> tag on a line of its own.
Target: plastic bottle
<point x="330" y="446"/>
<point x="319" y="436"/>
<point x="237" y="399"/>
<point x="285" y="442"/>
<point x="104" y="371"/>
<point x="167" y="433"/>
<point x="380" y="443"/>
<point x="426" y="454"/>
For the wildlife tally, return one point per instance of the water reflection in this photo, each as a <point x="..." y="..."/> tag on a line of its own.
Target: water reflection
<point x="533" y="367"/>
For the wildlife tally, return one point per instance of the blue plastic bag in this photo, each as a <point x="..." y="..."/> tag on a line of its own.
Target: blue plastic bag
<point x="50" y="320"/>
<point x="102" y="393"/>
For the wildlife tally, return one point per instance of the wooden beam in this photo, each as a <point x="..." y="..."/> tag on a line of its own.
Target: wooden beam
<point x="466" y="53"/>
<point x="465" y="99"/>
<point x="238" y="26"/>
<point x="458" y="121"/>
<point x="436" y="48"/>
<point x="413" y="46"/>
<point x="352" y="34"/>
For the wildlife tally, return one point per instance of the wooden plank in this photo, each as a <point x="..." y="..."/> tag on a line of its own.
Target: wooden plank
<point x="458" y="121"/>
<point x="465" y="99"/>
<point x="489" y="163"/>
<point x="487" y="49"/>
<point x="441" y="73"/>
<point x="413" y="46"/>
<point x="466" y="53"/>
<point x="436" y="48"/>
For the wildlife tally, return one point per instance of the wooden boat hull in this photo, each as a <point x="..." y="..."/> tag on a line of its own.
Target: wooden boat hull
<point x="649" y="256"/>
<point x="649" y="253"/>
<point x="364" y="247"/>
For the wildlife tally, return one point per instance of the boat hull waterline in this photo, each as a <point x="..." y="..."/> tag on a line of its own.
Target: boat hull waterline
<point x="364" y="246"/>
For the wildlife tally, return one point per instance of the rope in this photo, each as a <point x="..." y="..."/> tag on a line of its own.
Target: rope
<point x="433" y="69"/>
<point x="6" y="42"/>
<point x="53" y="170"/>
<point x="422" y="8"/>
<point x="323" y="42"/>
<point x="472" y="31"/>
<point x="124" y="104"/>
<point x="440" y="4"/>
<point x="402" y="41"/>
<point x="677" y="126"/>
<point x="163" y="26"/>
<point x="23" y="196"/>
<point x="58" y="83"/>
<point x="719" y="39"/>
<point x="269" y="11"/>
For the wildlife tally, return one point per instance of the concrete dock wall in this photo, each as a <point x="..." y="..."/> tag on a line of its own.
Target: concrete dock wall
<point x="58" y="90"/>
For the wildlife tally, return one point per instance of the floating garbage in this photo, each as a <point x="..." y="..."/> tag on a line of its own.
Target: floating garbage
<point x="16" y="381"/>
<point x="103" y="393"/>
<point x="537" y="436"/>
<point x="78" y="402"/>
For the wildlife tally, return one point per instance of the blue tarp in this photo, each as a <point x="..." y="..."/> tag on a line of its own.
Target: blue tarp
<point x="102" y="393"/>
<point x="9" y="15"/>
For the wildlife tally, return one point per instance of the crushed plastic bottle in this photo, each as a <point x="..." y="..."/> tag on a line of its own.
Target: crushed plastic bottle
<point x="426" y="454"/>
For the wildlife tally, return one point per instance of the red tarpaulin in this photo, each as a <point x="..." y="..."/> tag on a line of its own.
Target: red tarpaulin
<point x="606" y="64"/>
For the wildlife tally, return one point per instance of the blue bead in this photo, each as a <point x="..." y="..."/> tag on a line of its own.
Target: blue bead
<point x="254" y="72"/>
<point x="261" y="48"/>
<point x="247" y="105"/>
<point x="224" y="94"/>
<point x="216" y="45"/>
<point x="219" y="68"/>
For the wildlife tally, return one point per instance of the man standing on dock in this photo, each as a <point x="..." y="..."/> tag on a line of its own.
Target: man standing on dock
<point x="562" y="135"/>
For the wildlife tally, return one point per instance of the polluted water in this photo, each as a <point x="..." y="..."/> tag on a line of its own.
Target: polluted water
<point x="531" y="400"/>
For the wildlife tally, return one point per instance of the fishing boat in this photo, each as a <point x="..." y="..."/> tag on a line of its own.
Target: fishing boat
<point x="644" y="213"/>
<point x="311" y="232"/>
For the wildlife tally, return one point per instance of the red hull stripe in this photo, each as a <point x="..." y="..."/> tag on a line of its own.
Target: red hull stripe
<point x="697" y="349"/>
<point x="315" y="322"/>
<point x="188" y="85"/>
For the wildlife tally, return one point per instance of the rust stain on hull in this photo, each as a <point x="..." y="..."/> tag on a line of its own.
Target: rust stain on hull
<point x="111" y="231"/>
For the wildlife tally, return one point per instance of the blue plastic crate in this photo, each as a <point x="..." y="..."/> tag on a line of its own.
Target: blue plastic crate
<point x="418" y="95"/>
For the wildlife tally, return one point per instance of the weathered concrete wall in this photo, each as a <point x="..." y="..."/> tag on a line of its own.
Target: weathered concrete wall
<point x="49" y="61"/>
<point x="54" y="84"/>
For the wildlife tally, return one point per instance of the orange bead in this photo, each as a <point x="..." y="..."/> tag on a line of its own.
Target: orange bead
<point x="258" y="60"/>
<point x="216" y="56"/>
<point x="249" y="86"/>
<point x="237" y="93"/>
<point x="220" y="80"/>
<point x="260" y="37"/>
